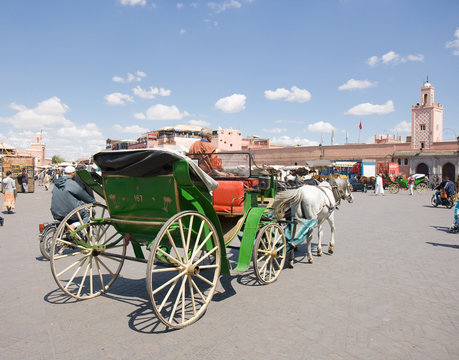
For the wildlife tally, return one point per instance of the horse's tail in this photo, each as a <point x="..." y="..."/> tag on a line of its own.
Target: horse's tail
<point x="284" y="200"/>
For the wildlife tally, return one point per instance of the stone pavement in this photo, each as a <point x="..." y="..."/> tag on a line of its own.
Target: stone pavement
<point x="390" y="291"/>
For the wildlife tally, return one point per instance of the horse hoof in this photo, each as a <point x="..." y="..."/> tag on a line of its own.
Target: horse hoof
<point x="330" y="250"/>
<point x="290" y="265"/>
<point x="311" y="261"/>
<point x="319" y="253"/>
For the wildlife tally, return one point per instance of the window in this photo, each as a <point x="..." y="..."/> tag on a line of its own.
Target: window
<point x="422" y="145"/>
<point x="422" y="126"/>
<point x="426" y="97"/>
<point x="406" y="161"/>
<point x="400" y="161"/>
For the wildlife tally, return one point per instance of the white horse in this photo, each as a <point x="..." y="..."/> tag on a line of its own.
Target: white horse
<point x="310" y="202"/>
<point x="341" y="188"/>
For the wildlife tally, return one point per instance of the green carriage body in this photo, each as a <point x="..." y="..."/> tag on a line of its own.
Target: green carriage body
<point x="140" y="205"/>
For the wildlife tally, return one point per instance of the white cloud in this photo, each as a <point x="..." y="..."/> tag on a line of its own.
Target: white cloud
<point x="320" y="126"/>
<point x="87" y="131"/>
<point x="220" y="7"/>
<point x="370" y="109"/>
<point x="356" y="84"/>
<point x="403" y="127"/>
<point x="454" y="44"/>
<point x="372" y="61"/>
<point x="47" y="113"/>
<point x="179" y="5"/>
<point x="182" y="32"/>
<point x="133" y="2"/>
<point x="140" y="116"/>
<point x="132" y="129"/>
<point x="201" y="123"/>
<point x="231" y="104"/>
<point x="275" y="130"/>
<point x="164" y="112"/>
<point x="130" y="77"/>
<point x="288" y="141"/>
<point x="118" y="99"/>
<point x="151" y="93"/>
<point x="392" y="58"/>
<point x="295" y="94"/>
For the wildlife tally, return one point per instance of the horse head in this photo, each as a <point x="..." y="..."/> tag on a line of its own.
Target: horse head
<point x="341" y="189"/>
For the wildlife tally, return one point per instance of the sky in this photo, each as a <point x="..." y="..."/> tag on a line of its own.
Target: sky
<point x="301" y="72"/>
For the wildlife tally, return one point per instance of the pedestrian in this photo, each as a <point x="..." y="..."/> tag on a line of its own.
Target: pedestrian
<point x="411" y="184"/>
<point x="46" y="181"/>
<point x="25" y="180"/>
<point x="9" y="193"/>
<point x="379" y="187"/>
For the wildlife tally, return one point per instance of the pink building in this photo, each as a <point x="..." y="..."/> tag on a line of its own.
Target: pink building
<point x="227" y="139"/>
<point x="37" y="151"/>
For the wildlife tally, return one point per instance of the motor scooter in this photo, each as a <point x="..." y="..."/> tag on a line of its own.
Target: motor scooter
<point x="445" y="201"/>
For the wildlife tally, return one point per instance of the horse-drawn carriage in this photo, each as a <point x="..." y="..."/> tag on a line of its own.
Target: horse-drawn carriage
<point x="399" y="182"/>
<point x="162" y="202"/>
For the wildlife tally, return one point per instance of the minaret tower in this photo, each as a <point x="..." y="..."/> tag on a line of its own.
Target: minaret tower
<point x="426" y="119"/>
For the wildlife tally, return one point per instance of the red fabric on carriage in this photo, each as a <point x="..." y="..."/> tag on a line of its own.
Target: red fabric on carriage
<point x="250" y="183"/>
<point x="229" y="192"/>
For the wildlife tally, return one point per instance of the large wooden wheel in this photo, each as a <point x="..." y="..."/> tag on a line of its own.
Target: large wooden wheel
<point x="183" y="269"/>
<point x="85" y="261"/>
<point x="421" y="188"/>
<point x="394" y="188"/>
<point x="269" y="253"/>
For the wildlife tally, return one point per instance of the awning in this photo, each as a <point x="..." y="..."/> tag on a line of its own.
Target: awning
<point x="347" y="164"/>
<point x="319" y="163"/>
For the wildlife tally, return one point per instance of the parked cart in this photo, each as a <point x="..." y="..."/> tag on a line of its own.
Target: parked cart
<point x="178" y="221"/>
<point x="420" y="184"/>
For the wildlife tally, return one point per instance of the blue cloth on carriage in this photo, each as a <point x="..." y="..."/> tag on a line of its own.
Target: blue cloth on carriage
<point x="148" y="163"/>
<point x="303" y="226"/>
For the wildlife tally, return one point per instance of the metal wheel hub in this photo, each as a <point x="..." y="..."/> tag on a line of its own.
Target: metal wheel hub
<point x="192" y="269"/>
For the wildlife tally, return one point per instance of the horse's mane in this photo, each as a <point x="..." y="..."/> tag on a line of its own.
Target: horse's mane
<point x="286" y="199"/>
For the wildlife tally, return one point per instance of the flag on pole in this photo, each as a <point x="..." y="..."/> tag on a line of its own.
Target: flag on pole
<point x="360" y="126"/>
<point x="332" y="136"/>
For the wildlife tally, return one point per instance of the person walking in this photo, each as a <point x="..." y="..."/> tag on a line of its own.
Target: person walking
<point x="25" y="180"/>
<point x="379" y="187"/>
<point x="411" y="184"/>
<point x="9" y="193"/>
<point x="46" y="181"/>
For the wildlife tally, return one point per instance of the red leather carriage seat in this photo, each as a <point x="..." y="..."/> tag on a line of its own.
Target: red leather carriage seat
<point x="229" y="192"/>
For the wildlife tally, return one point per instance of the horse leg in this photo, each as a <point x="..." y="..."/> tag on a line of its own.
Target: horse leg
<point x="331" y="222"/>
<point x="309" y="255"/>
<point x="320" y="232"/>
<point x="290" y="258"/>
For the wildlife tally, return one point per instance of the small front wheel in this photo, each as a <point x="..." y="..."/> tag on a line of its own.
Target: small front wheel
<point x="46" y="241"/>
<point x="433" y="201"/>
<point x="269" y="253"/>
<point x="394" y="188"/>
<point x="450" y="204"/>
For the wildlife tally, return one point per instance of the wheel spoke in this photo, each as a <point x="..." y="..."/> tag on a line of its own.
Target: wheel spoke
<point x="100" y="273"/>
<point x="206" y="255"/>
<point x="182" y="235"/>
<point x="198" y="291"/>
<point x="190" y="285"/>
<point x="167" y="295"/>
<point x="199" y="276"/>
<point x="177" y="300"/>
<point x="170" y="281"/>
<point x="202" y="244"/>
<point x="84" y="279"/>
<point x="172" y="242"/>
<point x="177" y="261"/>
<point x="75" y="273"/>
<point x="198" y="237"/>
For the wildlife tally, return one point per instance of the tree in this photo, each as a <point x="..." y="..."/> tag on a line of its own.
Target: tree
<point x="56" y="159"/>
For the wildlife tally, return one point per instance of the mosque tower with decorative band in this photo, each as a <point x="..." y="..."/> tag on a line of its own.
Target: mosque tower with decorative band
<point x="426" y="119"/>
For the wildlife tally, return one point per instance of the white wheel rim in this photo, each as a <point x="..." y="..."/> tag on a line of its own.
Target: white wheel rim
<point x="181" y="287"/>
<point x="85" y="272"/>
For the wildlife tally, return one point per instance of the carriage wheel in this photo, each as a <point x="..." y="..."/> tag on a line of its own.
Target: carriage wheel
<point x="86" y="261"/>
<point x="269" y="252"/>
<point x="46" y="241"/>
<point x="394" y="188"/>
<point x="183" y="269"/>
<point x="421" y="188"/>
